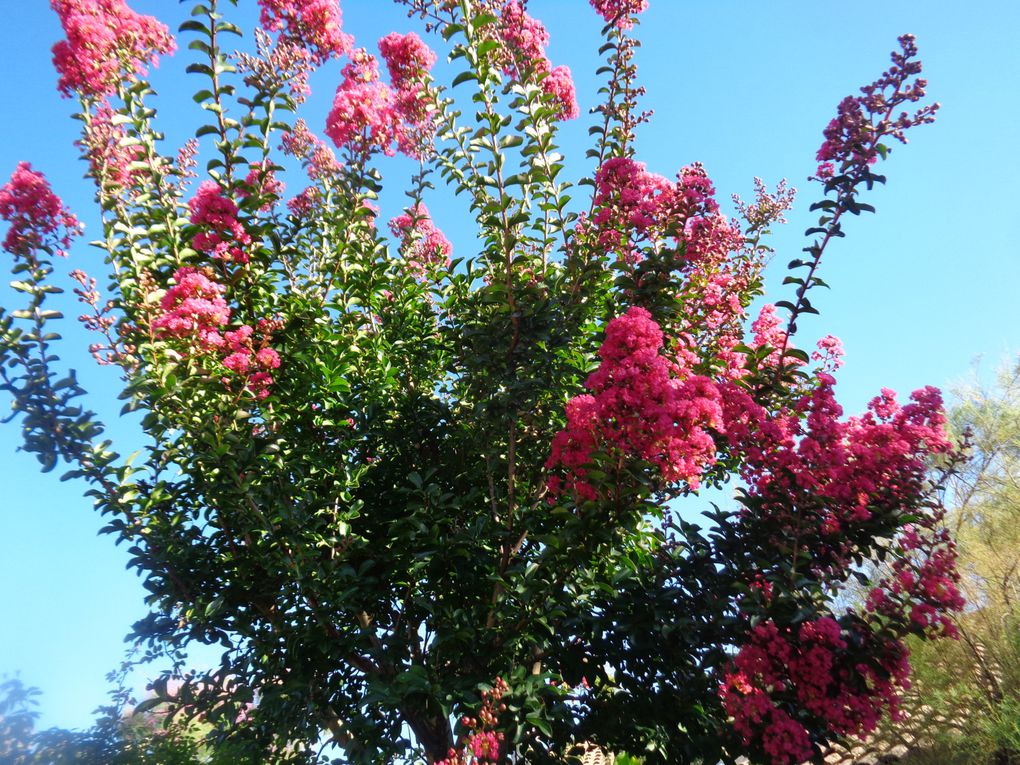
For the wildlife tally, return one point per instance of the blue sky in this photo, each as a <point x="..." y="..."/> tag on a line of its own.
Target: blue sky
<point x="919" y="290"/>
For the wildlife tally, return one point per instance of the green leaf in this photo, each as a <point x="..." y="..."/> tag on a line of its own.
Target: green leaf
<point x="147" y="705"/>
<point x="464" y="77"/>
<point x="193" y="25"/>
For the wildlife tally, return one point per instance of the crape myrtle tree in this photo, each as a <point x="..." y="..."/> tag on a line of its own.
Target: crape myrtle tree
<point x="426" y="501"/>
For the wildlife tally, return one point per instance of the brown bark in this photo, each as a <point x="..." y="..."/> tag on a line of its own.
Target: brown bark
<point x="432" y="732"/>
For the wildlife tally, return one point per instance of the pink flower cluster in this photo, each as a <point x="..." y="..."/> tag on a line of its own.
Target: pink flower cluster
<point x="108" y="150"/>
<point x="559" y="86"/>
<point x="811" y="668"/>
<point x="711" y="330"/>
<point x="312" y="24"/>
<point x="37" y="216"/>
<point x="367" y="115"/>
<point x="521" y="53"/>
<point x="363" y="117"/>
<point x="633" y="206"/>
<point x="822" y="479"/>
<point x="714" y="270"/>
<point x="262" y="183"/>
<point x="769" y="333"/>
<point x="482" y="743"/>
<point x="409" y="61"/>
<point x="106" y="41"/>
<point x="708" y="236"/>
<point x="693" y="195"/>
<point x="829" y="353"/>
<point x="251" y="358"/>
<point x="768" y="207"/>
<point x="852" y="138"/>
<point x="222" y="236"/>
<point x="305" y="203"/>
<point x="319" y="160"/>
<point x="719" y="269"/>
<point x="628" y="204"/>
<point x="847" y="137"/>
<point x="524" y="39"/>
<point x="424" y="246"/>
<point x="642" y="406"/>
<point x="922" y="583"/>
<point x="194" y="309"/>
<point x="273" y="69"/>
<point x="620" y="12"/>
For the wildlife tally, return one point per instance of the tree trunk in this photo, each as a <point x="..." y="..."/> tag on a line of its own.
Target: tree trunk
<point x="432" y="732"/>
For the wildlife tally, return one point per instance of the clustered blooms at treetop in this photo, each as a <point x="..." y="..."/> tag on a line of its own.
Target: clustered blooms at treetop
<point x="428" y="501"/>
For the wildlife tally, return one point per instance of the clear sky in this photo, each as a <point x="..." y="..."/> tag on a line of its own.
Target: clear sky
<point x="746" y="87"/>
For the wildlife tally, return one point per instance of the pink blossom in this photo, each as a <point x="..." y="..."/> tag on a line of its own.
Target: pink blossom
<point x="813" y="474"/>
<point x="633" y="206"/>
<point x="424" y="246"/>
<point x="769" y="333"/>
<point x="620" y="12"/>
<point x="485" y="745"/>
<point x="313" y="24"/>
<point x="710" y="235"/>
<point x="238" y="361"/>
<point x="559" y="86"/>
<point x="641" y="406"/>
<point x="37" y="216"/>
<point x="239" y="338"/>
<point x="481" y="744"/>
<point x="364" y="116"/>
<point x="109" y="149"/>
<point x="305" y="203"/>
<point x="259" y="384"/>
<point x="319" y="160"/>
<point x="813" y="669"/>
<point x="847" y="135"/>
<point x="922" y="585"/>
<point x="628" y="203"/>
<point x="520" y="53"/>
<point x="106" y="41"/>
<point x="222" y="236"/>
<point x="285" y="66"/>
<point x="193" y="309"/>
<point x="692" y="196"/>
<point x="785" y="740"/>
<point x="261" y="182"/>
<point x="409" y="60"/>
<point x="524" y="40"/>
<point x="852" y="138"/>
<point x="251" y="358"/>
<point x="829" y="353"/>
<point x="268" y="358"/>
<point x="368" y="116"/>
